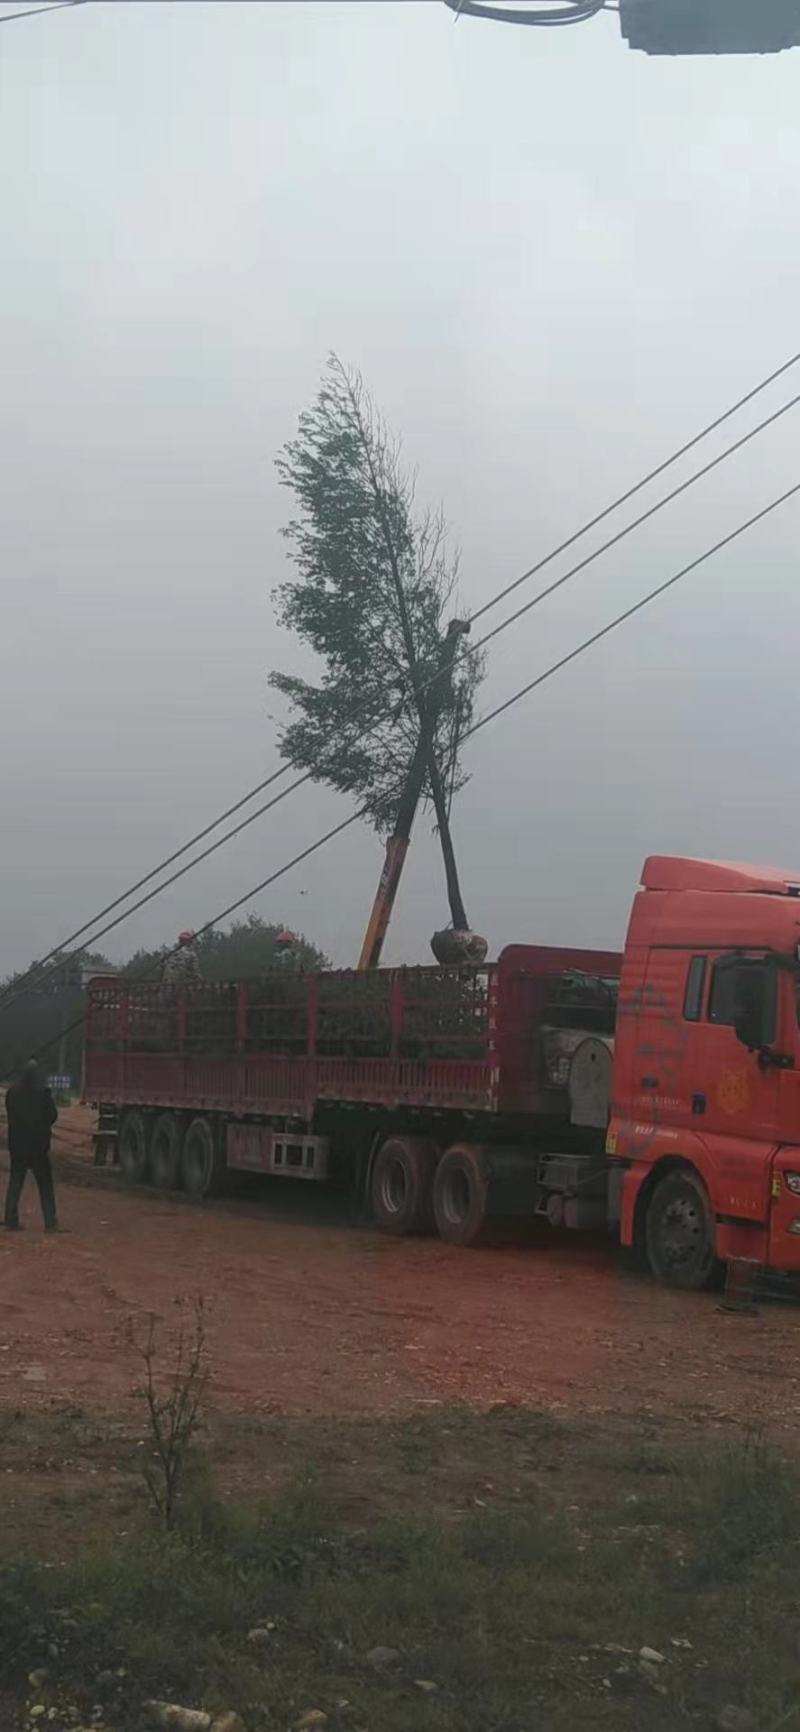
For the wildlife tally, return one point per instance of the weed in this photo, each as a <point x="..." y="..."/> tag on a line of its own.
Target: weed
<point x="173" y="1413"/>
<point x="523" y="1610"/>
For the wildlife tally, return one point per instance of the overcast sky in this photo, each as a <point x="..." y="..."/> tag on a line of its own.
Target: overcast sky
<point x="553" y="260"/>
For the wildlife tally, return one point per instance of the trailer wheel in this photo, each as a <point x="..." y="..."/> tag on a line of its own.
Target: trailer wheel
<point x="133" y="1148"/>
<point x="460" y="1194"/>
<point x="679" y="1233"/>
<point x="165" y="1153"/>
<point x="202" y="1164"/>
<point x="402" y="1181"/>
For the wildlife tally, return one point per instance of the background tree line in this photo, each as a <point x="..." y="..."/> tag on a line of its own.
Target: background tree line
<point x="40" y="1019"/>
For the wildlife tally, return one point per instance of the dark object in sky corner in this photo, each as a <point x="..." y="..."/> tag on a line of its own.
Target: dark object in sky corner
<point x="710" y="26"/>
<point x="662" y="26"/>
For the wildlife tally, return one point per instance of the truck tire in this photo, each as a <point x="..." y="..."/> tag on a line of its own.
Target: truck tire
<point x="460" y="1194"/>
<point x="679" y="1233"/>
<point x="133" y="1150"/>
<point x="402" y="1185"/>
<point x="202" y="1163"/>
<point x="165" y="1152"/>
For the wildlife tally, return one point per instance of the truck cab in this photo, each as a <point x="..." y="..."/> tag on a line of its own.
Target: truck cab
<point x="705" y="1118"/>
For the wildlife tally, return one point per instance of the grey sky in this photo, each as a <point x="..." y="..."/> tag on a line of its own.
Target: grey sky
<point x="552" y="259"/>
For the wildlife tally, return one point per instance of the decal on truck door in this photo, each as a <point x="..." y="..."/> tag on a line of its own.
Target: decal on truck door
<point x="733" y="1092"/>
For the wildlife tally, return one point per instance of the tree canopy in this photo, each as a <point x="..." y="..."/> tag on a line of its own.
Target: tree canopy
<point x="248" y="948"/>
<point x="34" y="1021"/>
<point x="375" y="580"/>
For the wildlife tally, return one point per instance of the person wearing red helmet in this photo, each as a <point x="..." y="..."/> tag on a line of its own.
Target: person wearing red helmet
<point x="182" y="967"/>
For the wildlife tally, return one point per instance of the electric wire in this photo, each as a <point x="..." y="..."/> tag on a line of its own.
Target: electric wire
<point x="491" y="716"/>
<point x="545" y="16"/>
<point x="34" y="11"/>
<point x="39" y="973"/>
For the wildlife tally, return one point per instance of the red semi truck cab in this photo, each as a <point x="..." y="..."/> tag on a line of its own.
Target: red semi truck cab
<point x="704" y="1129"/>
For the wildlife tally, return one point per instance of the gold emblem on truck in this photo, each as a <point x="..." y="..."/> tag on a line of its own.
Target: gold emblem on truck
<point x="733" y="1092"/>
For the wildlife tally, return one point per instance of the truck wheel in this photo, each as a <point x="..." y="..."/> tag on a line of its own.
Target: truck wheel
<point x="460" y="1195"/>
<point x="202" y="1166"/>
<point x="165" y="1153"/>
<point x="402" y="1180"/>
<point x="133" y="1148"/>
<point x="679" y="1233"/>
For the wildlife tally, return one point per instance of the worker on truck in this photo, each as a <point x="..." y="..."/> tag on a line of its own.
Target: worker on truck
<point x="182" y="966"/>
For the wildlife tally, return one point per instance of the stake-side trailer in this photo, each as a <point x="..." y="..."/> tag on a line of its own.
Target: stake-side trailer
<point x="656" y="1093"/>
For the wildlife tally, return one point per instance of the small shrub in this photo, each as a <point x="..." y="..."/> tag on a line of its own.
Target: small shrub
<point x="173" y="1411"/>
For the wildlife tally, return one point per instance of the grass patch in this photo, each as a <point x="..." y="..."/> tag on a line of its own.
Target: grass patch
<point x="516" y="1564"/>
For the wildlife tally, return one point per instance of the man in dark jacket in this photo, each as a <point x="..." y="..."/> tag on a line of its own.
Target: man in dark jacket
<point x="31" y="1113"/>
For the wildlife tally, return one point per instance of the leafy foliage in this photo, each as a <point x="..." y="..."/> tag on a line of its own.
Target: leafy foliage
<point x="248" y="948"/>
<point x="34" y="1020"/>
<point x="356" y="540"/>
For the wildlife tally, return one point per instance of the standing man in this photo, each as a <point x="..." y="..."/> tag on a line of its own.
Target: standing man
<point x="31" y="1113"/>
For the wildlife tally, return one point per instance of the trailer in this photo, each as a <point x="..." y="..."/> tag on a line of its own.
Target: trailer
<point x="652" y="1093"/>
<point x="371" y="1078"/>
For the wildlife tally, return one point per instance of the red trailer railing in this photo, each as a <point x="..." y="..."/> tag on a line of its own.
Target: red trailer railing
<point x="448" y="1038"/>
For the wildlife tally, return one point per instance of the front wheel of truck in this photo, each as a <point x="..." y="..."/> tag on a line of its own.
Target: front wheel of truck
<point x="679" y="1233"/>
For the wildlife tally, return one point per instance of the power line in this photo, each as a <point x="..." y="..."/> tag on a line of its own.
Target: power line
<point x="231" y="909"/>
<point x="18" y="989"/>
<point x="35" y="973"/>
<point x="200" y="836"/>
<point x="639" y="486"/>
<point x="33" y="12"/>
<point x="567" y="12"/>
<point x="555" y="667"/>
<point x="637" y="607"/>
<point x="699" y="474"/>
<point x="500" y="709"/>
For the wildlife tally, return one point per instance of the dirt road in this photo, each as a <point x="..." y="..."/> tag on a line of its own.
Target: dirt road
<point x="310" y="1314"/>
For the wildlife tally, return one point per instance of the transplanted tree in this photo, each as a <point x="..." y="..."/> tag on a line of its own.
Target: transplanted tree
<point x="374" y="586"/>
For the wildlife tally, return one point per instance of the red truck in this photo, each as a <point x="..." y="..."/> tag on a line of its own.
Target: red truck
<point x="656" y="1093"/>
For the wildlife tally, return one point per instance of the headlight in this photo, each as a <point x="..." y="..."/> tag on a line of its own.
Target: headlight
<point x="793" y="1182"/>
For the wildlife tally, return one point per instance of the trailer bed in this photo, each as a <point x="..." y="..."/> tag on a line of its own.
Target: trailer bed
<point x="449" y="1038"/>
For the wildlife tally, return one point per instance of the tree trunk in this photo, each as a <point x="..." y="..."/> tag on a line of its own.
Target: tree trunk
<point x="424" y="760"/>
